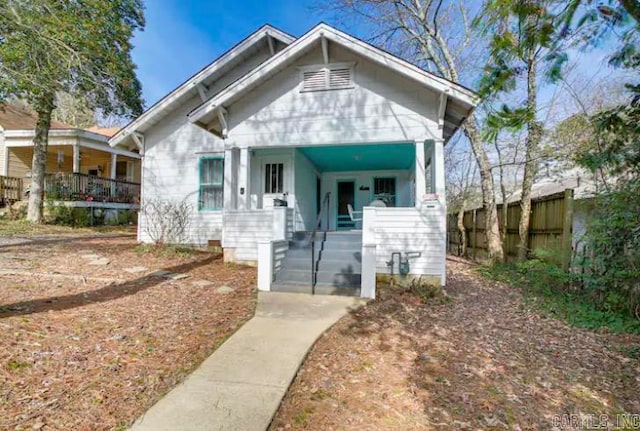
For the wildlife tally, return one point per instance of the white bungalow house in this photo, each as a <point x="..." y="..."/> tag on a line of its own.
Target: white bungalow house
<point x="349" y="137"/>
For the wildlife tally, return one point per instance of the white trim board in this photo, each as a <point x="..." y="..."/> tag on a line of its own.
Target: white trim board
<point x="227" y="96"/>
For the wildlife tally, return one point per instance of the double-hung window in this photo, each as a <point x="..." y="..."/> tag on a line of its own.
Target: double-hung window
<point x="211" y="183"/>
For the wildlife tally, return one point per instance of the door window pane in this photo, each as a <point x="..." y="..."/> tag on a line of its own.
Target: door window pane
<point x="273" y="178"/>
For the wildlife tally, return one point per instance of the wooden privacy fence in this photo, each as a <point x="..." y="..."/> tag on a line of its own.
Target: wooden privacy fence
<point x="10" y="190"/>
<point x="550" y="228"/>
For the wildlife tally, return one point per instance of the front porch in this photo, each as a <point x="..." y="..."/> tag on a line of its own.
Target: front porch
<point x="390" y="196"/>
<point x="80" y="171"/>
<point x="384" y="175"/>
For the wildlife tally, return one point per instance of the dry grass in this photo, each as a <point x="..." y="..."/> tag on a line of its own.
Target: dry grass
<point x="483" y="360"/>
<point x="92" y="347"/>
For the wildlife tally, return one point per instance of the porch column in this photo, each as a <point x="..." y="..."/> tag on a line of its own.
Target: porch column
<point x="244" y="171"/>
<point x="114" y="161"/>
<point x="437" y="166"/>
<point x="5" y="162"/>
<point x="229" y="186"/>
<point x="421" y="178"/>
<point x="76" y="158"/>
<point x="438" y="172"/>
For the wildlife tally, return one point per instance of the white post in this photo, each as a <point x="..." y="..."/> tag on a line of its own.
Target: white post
<point x="5" y="162"/>
<point x="368" y="277"/>
<point x="229" y="180"/>
<point x="244" y="201"/>
<point x="114" y="163"/>
<point x="76" y="158"/>
<point x="437" y="166"/>
<point x="279" y="223"/>
<point x="265" y="265"/>
<point x="421" y="178"/>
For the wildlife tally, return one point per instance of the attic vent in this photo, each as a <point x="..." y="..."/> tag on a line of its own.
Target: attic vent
<point x="332" y="77"/>
<point x="340" y="78"/>
<point x="314" y="80"/>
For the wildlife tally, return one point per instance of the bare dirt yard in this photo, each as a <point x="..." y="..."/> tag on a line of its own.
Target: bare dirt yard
<point x="482" y="361"/>
<point x="92" y="334"/>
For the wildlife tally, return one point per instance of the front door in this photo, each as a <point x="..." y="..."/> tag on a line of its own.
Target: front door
<point x="274" y="181"/>
<point x="346" y="196"/>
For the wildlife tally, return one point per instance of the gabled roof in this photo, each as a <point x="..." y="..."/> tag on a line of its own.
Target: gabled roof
<point x="13" y="117"/>
<point x="190" y="86"/>
<point x="104" y="131"/>
<point x="464" y="98"/>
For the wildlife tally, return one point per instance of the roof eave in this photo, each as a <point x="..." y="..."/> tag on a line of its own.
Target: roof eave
<point x="457" y="91"/>
<point x="191" y="84"/>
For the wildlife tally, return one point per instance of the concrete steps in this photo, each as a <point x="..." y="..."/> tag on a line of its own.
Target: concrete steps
<point x="339" y="264"/>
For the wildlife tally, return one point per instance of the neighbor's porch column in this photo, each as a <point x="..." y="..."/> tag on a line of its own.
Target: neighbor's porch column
<point x="244" y="172"/>
<point x="420" y="175"/>
<point x="114" y="162"/>
<point x="76" y="158"/>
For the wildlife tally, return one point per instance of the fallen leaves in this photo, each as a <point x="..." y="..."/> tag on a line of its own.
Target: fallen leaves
<point x="91" y="347"/>
<point x="483" y="361"/>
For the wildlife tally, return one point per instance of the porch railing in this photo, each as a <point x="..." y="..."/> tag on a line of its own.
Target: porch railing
<point x="314" y="261"/>
<point x="10" y="190"/>
<point x="82" y="187"/>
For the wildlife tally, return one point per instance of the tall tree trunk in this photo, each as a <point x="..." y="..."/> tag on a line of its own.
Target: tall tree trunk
<point x="534" y="135"/>
<point x="462" y="231"/>
<point x="503" y="193"/>
<point x="44" y="108"/>
<point x="492" y="228"/>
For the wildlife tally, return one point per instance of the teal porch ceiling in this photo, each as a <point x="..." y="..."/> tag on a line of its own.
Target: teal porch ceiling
<point x="374" y="157"/>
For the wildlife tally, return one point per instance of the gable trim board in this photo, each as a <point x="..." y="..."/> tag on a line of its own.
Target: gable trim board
<point x="464" y="97"/>
<point x="195" y="83"/>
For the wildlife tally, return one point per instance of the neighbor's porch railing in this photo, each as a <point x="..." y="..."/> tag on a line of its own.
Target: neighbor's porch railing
<point x="10" y="190"/>
<point x="82" y="187"/>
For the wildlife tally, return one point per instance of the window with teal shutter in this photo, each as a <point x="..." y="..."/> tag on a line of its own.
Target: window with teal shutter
<point x="211" y="183"/>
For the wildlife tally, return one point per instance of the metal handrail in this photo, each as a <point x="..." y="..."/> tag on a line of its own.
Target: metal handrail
<point x="314" y="264"/>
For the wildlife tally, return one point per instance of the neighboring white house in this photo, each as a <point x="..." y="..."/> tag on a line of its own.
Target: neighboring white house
<point x="323" y="122"/>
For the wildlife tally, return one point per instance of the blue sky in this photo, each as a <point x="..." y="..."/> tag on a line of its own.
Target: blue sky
<point x="182" y="36"/>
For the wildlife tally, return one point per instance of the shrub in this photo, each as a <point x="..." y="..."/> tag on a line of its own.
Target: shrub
<point x="561" y="294"/>
<point x="610" y="269"/>
<point x="69" y="216"/>
<point x="429" y="292"/>
<point x="165" y="221"/>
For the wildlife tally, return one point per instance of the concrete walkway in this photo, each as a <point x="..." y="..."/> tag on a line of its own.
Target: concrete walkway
<point x="241" y="385"/>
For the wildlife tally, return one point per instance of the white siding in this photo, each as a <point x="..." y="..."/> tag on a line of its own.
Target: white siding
<point x="382" y="106"/>
<point x="411" y="230"/>
<point x="173" y="148"/>
<point x="244" y="229"/>
<point x="305" y="193"/>
<point x="171" y="171"/>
